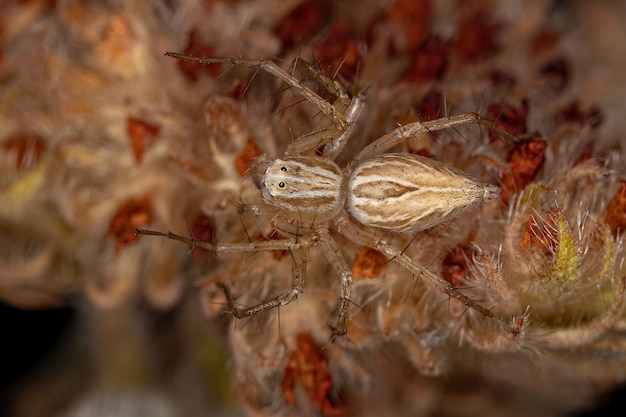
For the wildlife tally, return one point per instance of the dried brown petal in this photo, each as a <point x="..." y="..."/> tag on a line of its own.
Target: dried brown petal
<point x="615" y="213"/>
<point x="132" y="215"/>
<point x="339" y="51"/>
<point x="573" y="114"/>
<point x="114" y="47"/>
<point x="545" y="40"/>
<point x="1" y="42"/>
<point x="202" y="228"/>
<point x="308" y="366"/>
<point x="244" y="159"/>
<point x="557" y="71"/>
<point x="454" y="266"/>
<point x="476" y="37"/>
<point x="429" y="106"/>
<point x="138" y="131"/>
<point x="198" y="48"/>
<point x="540" y="237"/>
<point x="524" y="162"/>
<point x="299" y="26"/>
<point x="429" y="63"/>
<point x="367" y="263"/>
<point x="27" y="148"/>
<point x="410" y="17"/>
<point x="510" y="119"/>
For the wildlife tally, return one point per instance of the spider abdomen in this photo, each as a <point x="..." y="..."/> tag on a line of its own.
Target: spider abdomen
<point x="408" y="193"/>
<point x="308" y="184"/>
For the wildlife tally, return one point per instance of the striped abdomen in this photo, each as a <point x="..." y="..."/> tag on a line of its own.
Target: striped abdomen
<point x="308" y="184"/>
<point x="408" y="193"/>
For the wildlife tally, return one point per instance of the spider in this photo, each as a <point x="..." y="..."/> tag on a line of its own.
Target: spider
<point x="375" y="191"/>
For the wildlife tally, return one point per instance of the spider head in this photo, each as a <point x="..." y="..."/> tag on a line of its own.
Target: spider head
<point x="300" y="184"/>
<point x="257" y="169"/>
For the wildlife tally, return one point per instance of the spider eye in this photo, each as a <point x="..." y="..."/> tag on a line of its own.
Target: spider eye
<point x="281" y="184"/>
<point x="284" y="169"/>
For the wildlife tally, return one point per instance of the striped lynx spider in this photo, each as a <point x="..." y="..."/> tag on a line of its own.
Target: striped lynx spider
<point x="375" y="191"/>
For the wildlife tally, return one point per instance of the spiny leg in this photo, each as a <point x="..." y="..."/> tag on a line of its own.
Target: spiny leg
<point x="351" y="108"/>
<point x="334" y="256"/>
<point x="303" y="242"/>
<point x="401" y="133"/>
<point x="366" y="238"/>
<point x="285" y="298"/>
<point x="339" y="123"/>
<point x="294" y="247"/>
<point x="330" y="85"/>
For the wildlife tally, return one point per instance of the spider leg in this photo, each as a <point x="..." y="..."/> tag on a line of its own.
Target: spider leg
<point x="339" y="123"/>
<point x="305" y="242"/>
<point x="352" y="114"/>
<point x="294" y="247"/>
<point x="351" y="107"/>
<point x="399" y="134"/>
<point x="366" y="238"/>
<point x="287" y="297"/>
<point x="330" y="85"/>
<point x="333" y="254"/>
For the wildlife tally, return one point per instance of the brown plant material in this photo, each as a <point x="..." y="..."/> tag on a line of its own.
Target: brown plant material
<point x="192" y="169"/>
<point x="429" y="62"/>
<point x="301" y="23"/>
<point x="508" y="118"/>
<point x="202" y="228"/>
<point x="117" y="36"/>
<point x="541" y="236"/>
<point x="139" y="131"/>
<point x="307" y="367"/>
<point x="131" y="215"/>
<point x="454" y="266"/>
<point x="244" y="159"/>
<point x="410" y="18"/>
<point x="503" y="79"/>
<point x="615" y="212"/>
<point x="524" y="162"/>
<point x="367" y="263"/>
<point x="557" y="71"/>
<point x="545" y="40"/>
<point x="572" y="113"/>
<point x="339" y="51"/>
<point x="27" y="149"/>
<point x="196" y="46"/>
<point x="476" y="37"/>
<point x="429" y="106"/>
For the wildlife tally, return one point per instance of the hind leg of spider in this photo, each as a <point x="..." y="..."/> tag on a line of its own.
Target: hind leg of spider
<point x="363" y="237"/>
